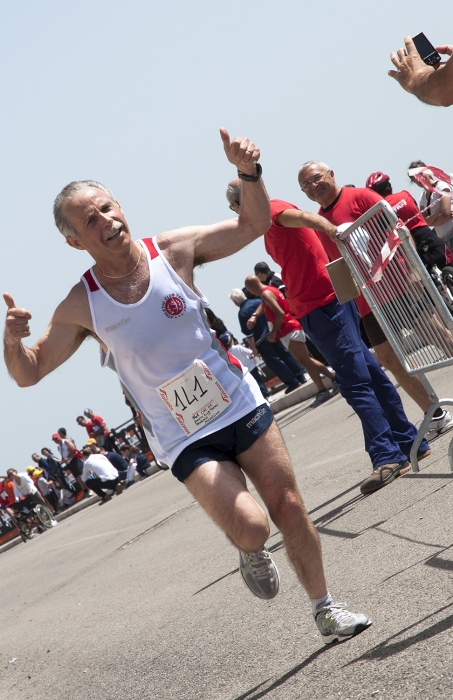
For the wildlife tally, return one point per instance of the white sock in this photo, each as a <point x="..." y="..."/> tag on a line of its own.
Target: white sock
<point x="320" y="602"/>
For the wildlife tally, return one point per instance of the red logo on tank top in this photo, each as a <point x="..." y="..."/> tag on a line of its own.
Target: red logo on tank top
<point x="173" y="305"/>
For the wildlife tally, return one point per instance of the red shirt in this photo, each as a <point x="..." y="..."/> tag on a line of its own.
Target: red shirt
<point x="96" y="426"/>
<point x="406" y="207"/>
<point x="289" y="323"/>
<point x="299" y="253"/>
<point x="351" y="203"/>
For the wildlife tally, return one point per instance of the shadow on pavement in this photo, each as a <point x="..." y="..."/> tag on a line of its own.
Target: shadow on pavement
<point x="384" y="649"/>
<point x="282" y="679"/>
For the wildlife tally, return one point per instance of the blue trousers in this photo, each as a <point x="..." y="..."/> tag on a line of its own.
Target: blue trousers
<point x="281" y="362"/>
<point x="388" y="434"/>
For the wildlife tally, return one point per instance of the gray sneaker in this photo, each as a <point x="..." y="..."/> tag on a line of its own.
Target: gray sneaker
<point x="321" y="397"/>
<point x="259" y="573"/>
<point x="438" y="426"/>
<point x="336" y="624"/>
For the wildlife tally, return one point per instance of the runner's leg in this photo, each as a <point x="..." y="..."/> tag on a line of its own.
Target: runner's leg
<point x="220" y="489"/>
<point x="268" y="466"/>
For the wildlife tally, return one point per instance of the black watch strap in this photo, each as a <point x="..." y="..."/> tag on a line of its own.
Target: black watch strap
<point x="251" y="178"/>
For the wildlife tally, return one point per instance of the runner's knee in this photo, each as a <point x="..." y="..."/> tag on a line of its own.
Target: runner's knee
<point x="287" y="509"/>
<point x="252" y="533"/>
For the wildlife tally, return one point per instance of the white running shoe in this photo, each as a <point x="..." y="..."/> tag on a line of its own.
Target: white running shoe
<point x="259" y="573"/>
<point x="335" y="623"/>
<point x="439" y="425"/>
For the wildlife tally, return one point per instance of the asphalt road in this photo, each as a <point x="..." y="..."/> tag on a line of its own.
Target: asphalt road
<point x="140" y="598"/>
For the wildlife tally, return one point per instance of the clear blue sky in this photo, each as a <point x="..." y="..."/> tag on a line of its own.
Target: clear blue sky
<point x="133" y="93"/>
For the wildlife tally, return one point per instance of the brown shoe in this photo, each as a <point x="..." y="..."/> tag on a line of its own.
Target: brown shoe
<point x="384" y="475"/>
<point x="119" y="490"/>
<point x="422" y="454"/>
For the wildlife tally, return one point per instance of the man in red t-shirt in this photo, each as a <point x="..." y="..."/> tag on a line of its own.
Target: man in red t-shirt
<point x="333" y="327"/>
<point x="344" y="205"/>
<point x="288" y="329"/>
<point x="95" y="427"/>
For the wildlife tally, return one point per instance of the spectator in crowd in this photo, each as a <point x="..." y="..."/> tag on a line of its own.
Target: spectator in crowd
<point x="70" y="458"/>
<point x="25" y="490"/>
<point x="53" y="467"/>
<point x="106" y="476"/>
<point x="131" y="465"/>
<point x="275" y="355"/>
<point x="340" y="206"/>
<point x="246" y="358"/>
<point x="406" y="208"/>
<point x="215" y="323"/>
<point x="141" y="461"/>
<point x="46" y="489"/>
<point x="288" y="329"/>
<point x="97" y="428"/>
<point x="62" y="432"/>
<point x="438" y="203"/>
<point x="119" y="461"/>
<point x="431" y="84"/>
<point x="292" y="241"/>
<point x="7" y="497"/>
<point x="266" y="275"/>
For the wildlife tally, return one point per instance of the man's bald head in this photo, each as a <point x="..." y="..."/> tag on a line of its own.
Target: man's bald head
<point x="67" y="194"/>
<point x="254" y="285"/>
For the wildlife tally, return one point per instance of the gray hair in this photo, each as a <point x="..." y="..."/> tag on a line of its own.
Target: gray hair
<point x="237" y="296"/>
<point x="234" y="193"/>
<point x="313" y="162"/>
<point x="67" y="193"/>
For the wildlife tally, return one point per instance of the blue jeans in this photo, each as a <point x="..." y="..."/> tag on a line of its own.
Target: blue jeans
<point x="388" y="434"/>
<point x="281" y="362"/>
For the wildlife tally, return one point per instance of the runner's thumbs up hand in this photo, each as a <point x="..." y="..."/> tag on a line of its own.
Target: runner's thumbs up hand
<point x="16" y="326"/>
<point x="240" y="152"/>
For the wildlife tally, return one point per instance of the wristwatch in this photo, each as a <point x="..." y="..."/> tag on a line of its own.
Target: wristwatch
<point x="251" y="178"/>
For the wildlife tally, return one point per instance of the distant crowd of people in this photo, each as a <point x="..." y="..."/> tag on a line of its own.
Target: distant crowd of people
<point x="58" y="480"/>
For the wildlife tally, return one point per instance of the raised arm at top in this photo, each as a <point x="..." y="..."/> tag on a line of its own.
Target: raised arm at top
<point x="207" y="243"/>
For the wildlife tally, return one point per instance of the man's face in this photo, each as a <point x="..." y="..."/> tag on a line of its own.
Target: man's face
<point x="318" y="184"/>
<point x="261" y="276"/>
<point x="82" y="421"/>
<point x="57" y="440"/>
<point x="35" y="457"/>
<point x="99" y="222"/>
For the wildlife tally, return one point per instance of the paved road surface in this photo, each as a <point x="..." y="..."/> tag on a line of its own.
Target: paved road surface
<point x="140" y="598"/>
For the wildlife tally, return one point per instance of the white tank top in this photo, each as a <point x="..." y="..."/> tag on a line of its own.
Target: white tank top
<point x="151" y="343"/>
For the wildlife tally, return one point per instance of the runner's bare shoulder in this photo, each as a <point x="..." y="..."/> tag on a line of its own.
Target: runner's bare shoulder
<point x="75" y="310"/>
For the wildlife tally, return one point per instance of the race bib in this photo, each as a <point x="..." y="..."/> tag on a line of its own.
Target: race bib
<point x="194" y="397"/>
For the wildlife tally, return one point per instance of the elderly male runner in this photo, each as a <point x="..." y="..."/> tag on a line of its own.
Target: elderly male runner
<point x="203" y="415"/>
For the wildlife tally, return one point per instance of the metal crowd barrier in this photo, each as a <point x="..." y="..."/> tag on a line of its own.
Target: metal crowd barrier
<point x="404" y="299"/>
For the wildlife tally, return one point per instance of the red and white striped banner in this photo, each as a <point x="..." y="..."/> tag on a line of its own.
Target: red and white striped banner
<point x="387" y="252"/>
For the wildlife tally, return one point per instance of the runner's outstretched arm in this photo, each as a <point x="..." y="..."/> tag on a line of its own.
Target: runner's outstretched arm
<point x="207" y="243"/>
<point x="61" y="339"/>
<point x="434" y="86"/>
